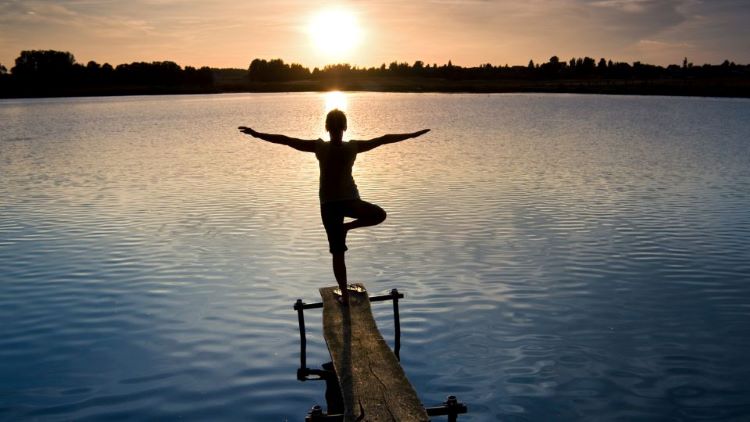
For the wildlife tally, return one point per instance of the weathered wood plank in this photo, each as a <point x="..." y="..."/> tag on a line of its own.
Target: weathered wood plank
<point x="371" y="378"/>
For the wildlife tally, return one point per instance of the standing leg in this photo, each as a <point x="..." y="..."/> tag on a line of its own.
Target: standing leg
<point x="333" y="221"/>
<point x="339" y="271"/>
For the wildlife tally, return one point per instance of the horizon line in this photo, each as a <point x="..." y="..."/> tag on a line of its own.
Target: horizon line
<point x="386" y="64"/>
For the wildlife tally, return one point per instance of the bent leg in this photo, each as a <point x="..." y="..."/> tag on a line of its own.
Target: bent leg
<point x="365" y="214"/>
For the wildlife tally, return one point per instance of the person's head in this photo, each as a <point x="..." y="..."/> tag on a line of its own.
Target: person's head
<point x="335" y="121"/>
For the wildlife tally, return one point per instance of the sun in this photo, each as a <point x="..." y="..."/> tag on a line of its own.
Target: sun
<point x="335" y="32"/>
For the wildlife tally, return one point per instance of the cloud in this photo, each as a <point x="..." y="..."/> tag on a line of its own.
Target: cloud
<point x="128" y="31"/>
<point x="230" y="33"/>
<point x="635" y="18"/>
<point x="630" y="6"/>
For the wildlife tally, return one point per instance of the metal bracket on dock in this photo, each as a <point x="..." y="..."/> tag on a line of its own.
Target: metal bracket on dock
<point x="451" y="408"/>
<point x="306" y="374"/>
<point x="316" y="414"/>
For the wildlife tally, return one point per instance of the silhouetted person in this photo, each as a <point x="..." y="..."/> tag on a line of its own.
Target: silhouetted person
<point x="339" y="196"/>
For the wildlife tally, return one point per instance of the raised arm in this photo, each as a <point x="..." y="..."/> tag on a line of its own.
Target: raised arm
<point x="363" y="146"/>
<point x="298" y="144"/>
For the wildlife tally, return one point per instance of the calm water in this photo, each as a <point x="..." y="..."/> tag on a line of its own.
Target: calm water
<point x="564" y="257"/>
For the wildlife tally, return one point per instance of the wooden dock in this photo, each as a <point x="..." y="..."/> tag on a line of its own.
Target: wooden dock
<point x="373" y="384"/>
<point x="364" y="380"/>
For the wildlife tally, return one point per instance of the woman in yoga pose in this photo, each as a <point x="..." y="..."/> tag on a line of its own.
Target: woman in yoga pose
<point x="339" y="196"/>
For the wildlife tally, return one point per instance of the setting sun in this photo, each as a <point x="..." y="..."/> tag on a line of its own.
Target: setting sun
<point x="335" y="32"/>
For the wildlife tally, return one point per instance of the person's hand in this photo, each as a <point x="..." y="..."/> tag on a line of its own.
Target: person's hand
<point x="421" y="132"/>
<point x="247" y="130"/>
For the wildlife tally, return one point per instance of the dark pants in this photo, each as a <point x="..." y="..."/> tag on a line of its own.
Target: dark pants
<point x="333" y="213"/>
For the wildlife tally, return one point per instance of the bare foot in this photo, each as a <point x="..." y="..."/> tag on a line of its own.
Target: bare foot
<point x="343" y="299"/>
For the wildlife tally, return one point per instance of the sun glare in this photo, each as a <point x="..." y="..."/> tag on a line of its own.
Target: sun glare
<point x="335" y="99"/>
<point x="332" y="100"/>
<point x="335" y="32"/>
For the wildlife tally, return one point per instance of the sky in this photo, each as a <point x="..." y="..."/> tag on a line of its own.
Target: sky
<point x="230" y="33"/>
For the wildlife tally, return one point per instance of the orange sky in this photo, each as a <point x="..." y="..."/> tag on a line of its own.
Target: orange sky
<point x="224" y="33"/>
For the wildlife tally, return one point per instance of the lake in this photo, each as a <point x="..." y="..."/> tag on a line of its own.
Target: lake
<point x="563" y="257"/>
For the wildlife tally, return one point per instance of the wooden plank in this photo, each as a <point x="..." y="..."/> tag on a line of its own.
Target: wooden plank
<point x="371" y="378"/>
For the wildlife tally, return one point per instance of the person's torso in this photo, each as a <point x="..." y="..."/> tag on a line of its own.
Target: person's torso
<point x="336" y="162"/>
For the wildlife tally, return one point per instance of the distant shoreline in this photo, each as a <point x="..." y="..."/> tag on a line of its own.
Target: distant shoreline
<point x="50" y="73"/>
<point x="670" y="87"/>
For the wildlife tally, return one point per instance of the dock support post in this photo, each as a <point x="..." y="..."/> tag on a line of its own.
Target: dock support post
<point x="316" y="414"/>
<point x="396" y="324"/>
<point x="452" y="405"/>
<point x="302" y="371"/>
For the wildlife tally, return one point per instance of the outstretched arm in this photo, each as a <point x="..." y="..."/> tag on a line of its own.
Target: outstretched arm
<point x="298" y="144"/>
<point x="363" y="146"/>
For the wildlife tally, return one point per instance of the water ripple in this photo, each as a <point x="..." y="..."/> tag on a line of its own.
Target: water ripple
<point x="563" y="257"/>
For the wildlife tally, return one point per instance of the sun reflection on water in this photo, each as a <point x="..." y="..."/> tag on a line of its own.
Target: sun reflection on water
<point x="335" y="100"/>
<point x="332" y="100"/>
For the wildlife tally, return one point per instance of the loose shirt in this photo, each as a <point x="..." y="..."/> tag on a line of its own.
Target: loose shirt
<point x="336" y="162"/>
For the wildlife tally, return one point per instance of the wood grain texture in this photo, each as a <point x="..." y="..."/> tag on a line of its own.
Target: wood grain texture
<point x="373" y="384"/>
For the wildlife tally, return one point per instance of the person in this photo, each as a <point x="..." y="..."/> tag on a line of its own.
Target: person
<point x="338" y="193"/>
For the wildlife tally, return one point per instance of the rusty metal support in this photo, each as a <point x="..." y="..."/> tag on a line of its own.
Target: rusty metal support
<point x="303" y="373"/>
<point x="396" y="323"/>
<point x="316" y="414"/>
<point x="451" y="407"/>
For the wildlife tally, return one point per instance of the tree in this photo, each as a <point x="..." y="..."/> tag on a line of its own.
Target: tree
<point x="587" y="66"/>
<point x="201" y="77"/>
<point x="298" y="72"/>
<point x="150" y="74"/>
<point x="276" y="70"/>
<point x="552" y="68"/>
<point x="44" y="65"/>
<point x="397" y="68"/>
<point x="3" y="70"/>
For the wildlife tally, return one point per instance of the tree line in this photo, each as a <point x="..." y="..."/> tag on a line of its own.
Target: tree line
<point x="50" y="72"/>
<point x="554" y="69"/>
